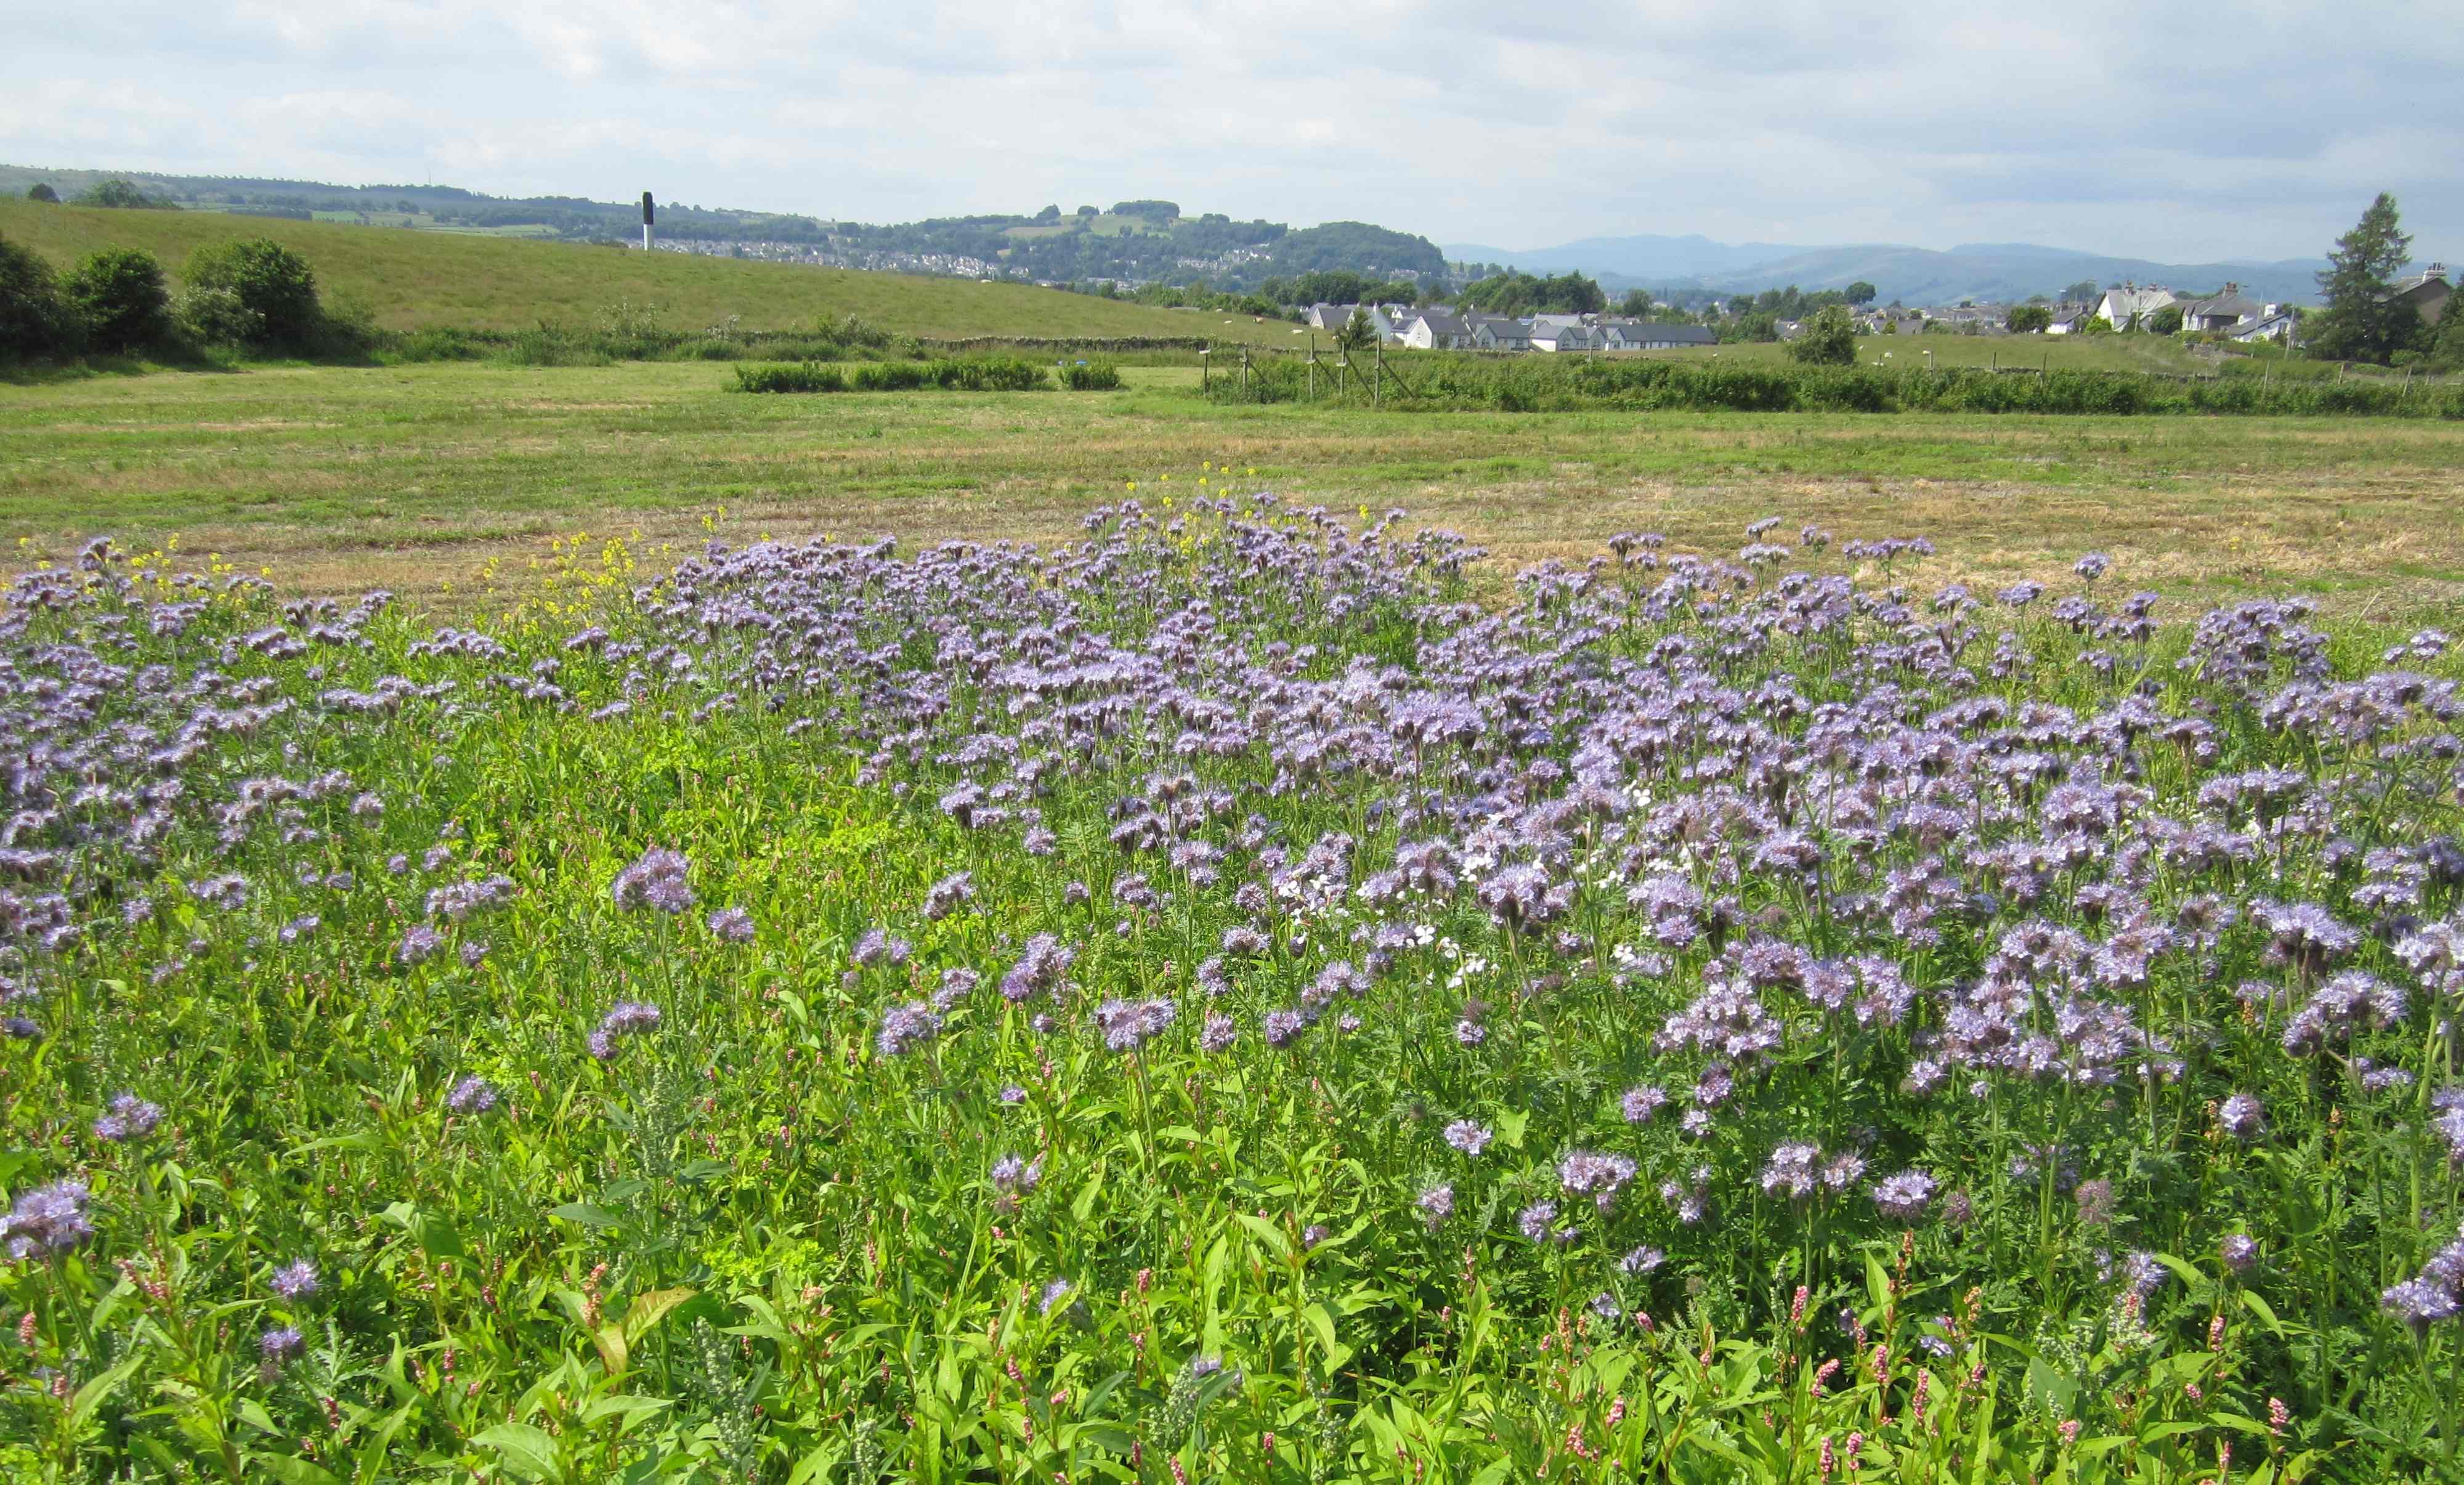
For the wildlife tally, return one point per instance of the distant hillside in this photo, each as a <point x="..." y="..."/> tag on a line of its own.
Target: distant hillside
<point x="1984" y="272"/>
<point x="1134" y="241"/>
<point x="413" y="279"/>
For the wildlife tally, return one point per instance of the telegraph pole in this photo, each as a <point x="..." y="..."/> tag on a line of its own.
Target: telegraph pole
<point x="646" y="221"/>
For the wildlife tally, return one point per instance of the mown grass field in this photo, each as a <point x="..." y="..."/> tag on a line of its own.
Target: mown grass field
<point x="418" y="476"/>
<point x="417" y="279"/>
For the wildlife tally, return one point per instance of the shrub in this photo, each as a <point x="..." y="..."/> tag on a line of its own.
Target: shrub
<point x="806" y="378"/>
<point x="2166" y="321"/>
<point x="41" y="190"/>
<point x="889" y="376"/>
<point x="1827" y="340"/>
<point x="1092" y="376"/>
<point x="987" y="374"/>
<point x="268" y="281"/>
<point x="34" y="319"/>
<point x="120" y="298"/>
<point x="217" y="316"/>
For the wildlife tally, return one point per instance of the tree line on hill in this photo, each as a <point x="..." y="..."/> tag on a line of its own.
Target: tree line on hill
<point x="253" y="295"/>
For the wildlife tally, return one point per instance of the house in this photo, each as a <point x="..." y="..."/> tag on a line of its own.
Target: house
<point x="1437" y="329"/>
<point x="2126" y="307"/>
<point x="1330" y="317"/>
<point x="2427" y="292"/>
<point x="2278" y="324"/>
<point x="1642" y="334"/>
<point x="1561" y="332"/>
<point x="2222" y="312"/>
<point x="2070" y="319"/>
<point x="1496" y="332"/>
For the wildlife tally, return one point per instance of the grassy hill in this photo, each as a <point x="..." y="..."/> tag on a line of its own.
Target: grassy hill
<point x="413" y="279"/>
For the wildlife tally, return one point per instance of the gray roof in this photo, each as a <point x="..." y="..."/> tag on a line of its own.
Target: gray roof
<point x="1442" y="322"/>
<point x="1651" y="331"/>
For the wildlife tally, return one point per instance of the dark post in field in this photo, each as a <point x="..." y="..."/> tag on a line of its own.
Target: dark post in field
<point x="646" y="221"/>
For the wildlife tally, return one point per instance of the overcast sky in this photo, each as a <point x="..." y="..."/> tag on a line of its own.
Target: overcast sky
<point x="2164" y="129"/>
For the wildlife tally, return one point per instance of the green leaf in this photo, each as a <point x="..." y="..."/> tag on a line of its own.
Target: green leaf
<point x="292" y="1470"/>
<point x="586" y="1214"/>
<point x="1510" y="1125"/>
<point x="648" y="1309"/>
<point x="524" y="1449"/>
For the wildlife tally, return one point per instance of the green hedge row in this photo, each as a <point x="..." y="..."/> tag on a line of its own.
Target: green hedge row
<point x="1549" y="384"/>
<point x="955" y="374"/>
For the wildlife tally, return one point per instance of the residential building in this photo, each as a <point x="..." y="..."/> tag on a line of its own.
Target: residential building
<point x="2222" y="312"/>
<point x="1496" y="332"/>
<point x="1561" y="332"/>
<point x="1642" y="334"/>
<point x="2125" y="307"/>
<point x="2427" y="292"/>
<point x="1438" y="328"/>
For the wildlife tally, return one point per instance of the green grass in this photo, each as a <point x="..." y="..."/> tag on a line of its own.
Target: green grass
<point x="417" y="477"/>
<point x="414" y="279"/>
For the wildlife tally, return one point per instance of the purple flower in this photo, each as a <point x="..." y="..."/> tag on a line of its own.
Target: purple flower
<point x="1217" y="1034"/>
<point x="1437" y="1204"/>
<point x="131" y="1118"/>
<point x="1131" y="1024"/>
<point x="1640" y="1104"/>
<point x="418" y="942"/>
<point x="1641" y="1260"/>
<point x="906" y="1028"/>
<point x="1538" y="1222"/>
<point x="1904" y="1197"/>
<point x="472" y="1096"/>
<point x="1468" y="1137"/>
<point x="624" y="1018"/>
<point x="295" y="1279"/>
<point x="2420" y="1303"/>
<point x="2242" y="1116"/>
<point x="1598" y="1176"/>
<point x="1017" y="1175"/>
<point x="655" y="882"/>
<point x="46" y="1220"/>
<point x="731" y="925"/>
<point x="1053" y="1294"/>
<point x="2239" y="1251"/>
<point x="279" y="1343"/>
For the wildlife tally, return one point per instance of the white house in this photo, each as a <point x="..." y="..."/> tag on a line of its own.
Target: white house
<point x="2120" y="307"/>
<point x="1493" y="333"/>
<point x="1437" y="329"/>
<point x="2279" y="323"/>
<point x="1561" y="332"/>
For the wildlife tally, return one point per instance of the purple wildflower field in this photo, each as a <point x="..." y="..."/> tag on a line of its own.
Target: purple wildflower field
<point x="1229" y="999"/>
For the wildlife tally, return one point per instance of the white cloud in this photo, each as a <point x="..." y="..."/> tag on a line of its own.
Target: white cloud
<point x="2162" y="128"/>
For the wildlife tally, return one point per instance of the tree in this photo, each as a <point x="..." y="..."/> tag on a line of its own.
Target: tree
<point x="1634" y="305"/>
<point x="1051" y="213"/>
<point x="1828" y="340"/>
<point x="1862" y="293"/>
<point x="2028" y="319"/>
<point x="2084" y="292"/>
<point x="1356" y="334"/>
<point x="119" y="295"/>
<point x="272" y="285"/>
<point x="2166" y="321"/>
<point x="34" y="320"/>
<point x="116" y="192"/>
<point x="41" y="190"/>
<point x="2362" y="319"/>
<point x="1090" y="211"/>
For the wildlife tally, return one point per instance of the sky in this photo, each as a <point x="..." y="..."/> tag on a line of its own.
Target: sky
<point x="2176" y="130"/>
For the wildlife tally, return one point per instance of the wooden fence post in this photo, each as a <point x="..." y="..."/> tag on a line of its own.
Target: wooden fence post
<point x="1245" y="371"/>
<point x="1205" y="371"/>
<point x="1378" y="385"/>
